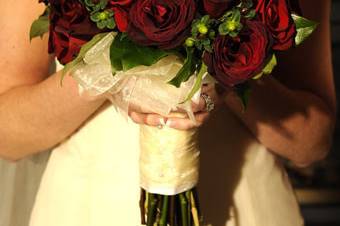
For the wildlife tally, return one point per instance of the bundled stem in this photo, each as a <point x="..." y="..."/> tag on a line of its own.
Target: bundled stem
<point x="152" y="203"/>
<point x="164" y="210"/>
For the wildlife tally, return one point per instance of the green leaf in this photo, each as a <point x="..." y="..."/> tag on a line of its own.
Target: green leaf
<point x="304" y="28"/>
<point x="126" y="54"/>
<point x="243" y="91"/>
<point x="222" y="30"/>
<point x="101" y="24"/>
<point x="251" y="14"/>
<point x="268" y="69"/>
<point x="233" y="34"/>
<point x="111" y="24"/>
<point x="189" y="67"/>
<point x="205" y="19"/>
<point x="84" y="49"/>
<point x="245" y="4"/>
<point x="270" y="66"/>
<point x="95" y="17"/>
<point x="236" y="15"/>
<point x="198" y="83"/>
<point x="39" y="27"/>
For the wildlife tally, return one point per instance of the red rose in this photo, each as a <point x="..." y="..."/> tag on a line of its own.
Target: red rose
<point x="120" y="2"/>
<point x="216" y="8"/>
<point x="235" y="60"/>
<point x="277" y="18"/>
<point x="70" y="28"/>
<point x="121" y="9"/>
<point x="164" y="24"/>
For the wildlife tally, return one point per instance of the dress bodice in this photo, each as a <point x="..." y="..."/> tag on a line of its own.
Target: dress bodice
<point x="92" y="177"/>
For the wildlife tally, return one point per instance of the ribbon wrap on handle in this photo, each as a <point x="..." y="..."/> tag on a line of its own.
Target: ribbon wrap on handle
<point x="169" y="158"/>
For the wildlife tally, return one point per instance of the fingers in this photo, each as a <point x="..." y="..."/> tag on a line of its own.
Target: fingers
<point x="148" y="119"/>
<point x="209" y="90"/>
<point x="137" y="108"/>
<point x="201" y="106"/>
<point x="186" y="123"/>
<point x="180" y="123"/>
<point x="177" y="119"/>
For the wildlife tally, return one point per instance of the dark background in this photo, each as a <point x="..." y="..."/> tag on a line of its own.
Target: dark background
<point x="336" y="64"/>
<point x="318" y="187"/>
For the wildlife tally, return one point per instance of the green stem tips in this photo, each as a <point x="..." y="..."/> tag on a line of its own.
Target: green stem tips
<point x="164" y="210"/>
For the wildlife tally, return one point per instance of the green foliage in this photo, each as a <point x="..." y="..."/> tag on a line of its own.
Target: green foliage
<point x="245" y="4"/>
<point x="202" y="34"/>
<point x="125" y="54"/>
<point x="95" y="5"/>
<point x="41" y="25"/>
<point x="189" y="67"/>
<point x="231" y="23"/>
<point x="268" y="68"/>
<point x="198" y="24"/>
<point x="304" y="28"/>
<point x="198" y="83"/>
<point x="250" y="14"/>
<point x="104" y="18"/>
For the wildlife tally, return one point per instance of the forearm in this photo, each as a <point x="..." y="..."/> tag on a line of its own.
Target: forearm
<point x="36" y="117"/>
<point x="294" y="124"/>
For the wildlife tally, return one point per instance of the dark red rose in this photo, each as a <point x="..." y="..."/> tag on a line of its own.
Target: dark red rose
<point x="121" y="2"/>
<point x="164" y="24"/>
<point x="216" y="8"/>
<point x="235" y="60"/>
<point x="70" y="28"/>
<point x="275" y="14"/>
<point x="121" y="10"/>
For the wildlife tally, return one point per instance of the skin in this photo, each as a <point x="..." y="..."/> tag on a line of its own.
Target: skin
<point x="35" y="112"/>
<point x="292" y="112"/>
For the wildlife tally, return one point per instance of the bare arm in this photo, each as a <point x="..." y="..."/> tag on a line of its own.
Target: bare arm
<point x="293" y="112"/>
<point x="35" y="111"/>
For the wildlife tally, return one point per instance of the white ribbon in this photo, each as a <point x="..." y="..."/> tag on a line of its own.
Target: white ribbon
<point x="169" y="158"/>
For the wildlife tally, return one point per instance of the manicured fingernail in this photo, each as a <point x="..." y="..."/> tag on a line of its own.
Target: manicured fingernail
<point x="162" y="121"/>
<point x="168" y="123"/>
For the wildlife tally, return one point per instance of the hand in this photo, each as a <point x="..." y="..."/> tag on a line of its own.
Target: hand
<point x="178" y="119"/>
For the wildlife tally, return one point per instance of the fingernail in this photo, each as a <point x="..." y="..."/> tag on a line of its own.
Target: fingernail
<point x="168" y="123"/>
<point x="162" y="121"/>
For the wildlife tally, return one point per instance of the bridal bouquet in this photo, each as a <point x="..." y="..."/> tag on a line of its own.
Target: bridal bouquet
<point x="157" y="54"/>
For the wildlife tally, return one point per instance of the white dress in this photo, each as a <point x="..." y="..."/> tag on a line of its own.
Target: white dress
<point x="92" y="178"/>
<point x="19" y="182"/>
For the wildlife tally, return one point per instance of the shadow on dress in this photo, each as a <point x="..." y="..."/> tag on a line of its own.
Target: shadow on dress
<point x="223" y="142"/>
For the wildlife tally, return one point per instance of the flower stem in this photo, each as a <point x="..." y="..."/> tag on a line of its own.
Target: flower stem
<point x="142" y="205"/>
<point x="164" y="211"/>
<point x="184" y="211"/>
<point x="187" y="195"/>
<point x="152" y="204"/>
<point x="159" y="209"/>
<point x="172" y="211"/>
<point x="194" y="210"/>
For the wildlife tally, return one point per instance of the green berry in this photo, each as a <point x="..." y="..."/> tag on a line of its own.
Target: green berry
<point x="202" y="29"/>
<point x="190" y="42"/>
<point x="231" y="25"/>
<point x="102" y="16"/>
